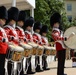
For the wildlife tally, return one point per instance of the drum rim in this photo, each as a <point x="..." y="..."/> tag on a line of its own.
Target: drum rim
<point x="26" y="46"/>
<point x="33" y="44"/>
<point x="20" y="49"/>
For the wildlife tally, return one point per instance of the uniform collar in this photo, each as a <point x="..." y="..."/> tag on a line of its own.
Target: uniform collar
<point x="28" y="31"/>
<point x="19" y="27"/>
<point x="56" y="29"/>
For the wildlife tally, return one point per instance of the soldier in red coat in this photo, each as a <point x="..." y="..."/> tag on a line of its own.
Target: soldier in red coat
<point x="57" y="35"/>
<point x="20" y="23"/>
<point x="28" y="28"/>
<point x="13" y="13"/>
<point x="21" y="33"/>
<point x="43" y="32"/>
<point x="36" y="35"/>
<point x="37" y="39"/>
<point x="3" y="38"/>
<point x="28" y="34"/>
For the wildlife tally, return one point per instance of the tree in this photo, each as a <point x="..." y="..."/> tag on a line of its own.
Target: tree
<point x="41" y="11"/>
<point x="73" y="23"/>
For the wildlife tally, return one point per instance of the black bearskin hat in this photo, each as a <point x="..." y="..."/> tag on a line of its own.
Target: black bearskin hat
<point x="13" y="14"/>
<point x="37" y="25"/>
<point x="22" y="16"/>
<point x="56" y="17"/>
<point x="44" y="29"/>
<point x="3" y="13"/>
<point x="29" y="22"/>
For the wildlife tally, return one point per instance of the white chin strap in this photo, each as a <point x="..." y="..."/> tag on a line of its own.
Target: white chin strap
<point x="33" y="63"/>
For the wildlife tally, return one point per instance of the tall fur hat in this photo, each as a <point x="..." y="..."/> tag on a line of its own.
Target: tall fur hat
<point x="22" y="16"/>
<point x="37" y="25"/>
<point x="13" y="14"/>
<point x="29" y="22"/>
<point x="3" y="13"/>
<point x="44" y="29"/>
<point x="56" y="17"/>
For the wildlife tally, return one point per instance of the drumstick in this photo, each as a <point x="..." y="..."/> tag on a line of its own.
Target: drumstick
<point x="71" y="35"/>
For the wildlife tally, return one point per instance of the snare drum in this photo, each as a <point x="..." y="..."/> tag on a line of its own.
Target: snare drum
<point x="47" y="50"/>
<point x="14" y="53"/>
<point x="34" y="49"/>
<point x="53" y="51"/>
<point x="40" y="50"/>
<point x="27" y="49"/>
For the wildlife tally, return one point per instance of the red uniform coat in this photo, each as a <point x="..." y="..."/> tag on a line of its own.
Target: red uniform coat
<point x="21" y="33"/>
<point x="45" y="40"/>
<point x="11" y="32"/>
<point x="37" y="38"/>
<point x="3" y="45"/>
<point x="28" y="36"/>
<point x="58" y="38"/>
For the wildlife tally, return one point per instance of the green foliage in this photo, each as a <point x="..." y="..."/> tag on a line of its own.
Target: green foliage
<point x="55" y="6"/>
<point x="73" y="23"/>
<point x="41" y="11"/>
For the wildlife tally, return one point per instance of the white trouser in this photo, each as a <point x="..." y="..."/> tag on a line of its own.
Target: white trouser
<point x="24" y="65"/>
<point x="33" y="63"/>
<point x="40" y="62"/>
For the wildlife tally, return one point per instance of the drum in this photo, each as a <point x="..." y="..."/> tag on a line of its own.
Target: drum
<point x="34" y="49"/>
<point x="70" y="33"/>
<point x="14" y="53"/>
<point x="40" y="50"/>
<point x="47" y="50"/>
<point x="27" y="49"/>
<point x="53" y="51"/>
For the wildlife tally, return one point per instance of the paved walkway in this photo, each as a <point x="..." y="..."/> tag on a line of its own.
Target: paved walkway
<point x="53" y="71"/>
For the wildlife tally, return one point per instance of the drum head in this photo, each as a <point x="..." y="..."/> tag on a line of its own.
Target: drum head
<point x="53" y="48"/>
<point x="49" y="48"/>
<point x="71" y="42"/>
<point x="33" y="44"/>
<point x="40" y="47"/>
<point x="12" y="47"/>
<point x="18" y="48"/>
